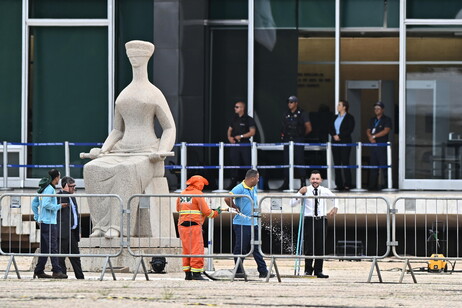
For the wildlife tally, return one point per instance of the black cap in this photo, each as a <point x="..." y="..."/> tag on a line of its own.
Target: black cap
<point x="292" y="99"/>
<point x="380" y="104"/>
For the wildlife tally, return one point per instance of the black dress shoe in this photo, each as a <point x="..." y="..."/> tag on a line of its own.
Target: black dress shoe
<point x="59" y="275"/>
<point x="263" y="275"/>
<point x="42" y="275"/>
<point x="308" y="272"/>
<point x="198" y="276"/>
<point x="321" y="275"/>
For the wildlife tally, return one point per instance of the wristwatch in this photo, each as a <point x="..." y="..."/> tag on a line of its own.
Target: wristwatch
<point x="242" y="136"/>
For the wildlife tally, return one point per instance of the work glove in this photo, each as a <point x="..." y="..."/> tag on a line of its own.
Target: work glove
<point x="219" y="210"/>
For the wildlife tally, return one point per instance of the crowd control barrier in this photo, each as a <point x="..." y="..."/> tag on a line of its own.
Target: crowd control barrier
<point x="186" y="165"/>
<point x="427" y="229"/>
<point x="359" y="231"/>
<point x="23" y="237"/>
<point x="163" y="238"/>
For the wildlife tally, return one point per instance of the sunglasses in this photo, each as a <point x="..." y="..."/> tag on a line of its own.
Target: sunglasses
<point x="71" y="185"/>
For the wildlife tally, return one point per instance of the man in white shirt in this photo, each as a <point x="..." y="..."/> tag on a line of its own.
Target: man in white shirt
<point x="315" y="222"/>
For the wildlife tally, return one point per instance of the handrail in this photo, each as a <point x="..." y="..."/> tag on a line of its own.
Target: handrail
<point x="183" y="166"/>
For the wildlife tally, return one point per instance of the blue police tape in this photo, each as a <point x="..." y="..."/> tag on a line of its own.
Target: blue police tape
<point x="273" y="167"/>
<point x="238" y="144"/>
<point x="36" y="166"/>
<point x="346" y="167"/>
<point x="237" y="167"/>
<point x="173" y="167"/>
<point x="344" y="144"/>
<point x="375" y="144"/>
<point x="376" y="167"/>
<point x="202" y="144"/>
<point x="202" y="167"/>
<point x="310" y="144"/>
<point x="37" y="143"/>
<point x="85" y="143"/>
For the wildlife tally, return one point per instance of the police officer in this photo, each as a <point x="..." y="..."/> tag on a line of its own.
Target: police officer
<point x="241" y="128"/>
<point x="377" y="132"/>
<point x="295" y="126"/>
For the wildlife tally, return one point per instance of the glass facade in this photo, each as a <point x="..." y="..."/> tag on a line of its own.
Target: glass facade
<point x="434" y="76"/>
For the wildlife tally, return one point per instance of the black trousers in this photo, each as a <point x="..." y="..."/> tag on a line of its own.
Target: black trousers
<point x="299" y="159"/>
<point x="378" y="158"/>
<point x="342" y="158"/>
<point x="48" y="244"/>
<point x="240" y="156"/>
<point x="315" y="233"/>
<point x="71" y="245"/>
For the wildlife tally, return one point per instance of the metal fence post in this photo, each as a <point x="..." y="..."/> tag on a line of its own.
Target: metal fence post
<point x="359" y="173"/>
<point x="291" y="166"/>
<point x="221" y="171"/>
<point x="329" y="164"/>
<point x="254" y="155"/>
<point x="5" y="166"/>
<point x="389" y="173"/>
<point x="209" y="266"/>
<point x="66" y="158"/>
<point x="183" y="162"/>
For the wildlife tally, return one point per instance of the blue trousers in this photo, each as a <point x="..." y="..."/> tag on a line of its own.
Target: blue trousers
<point x="243" y="236"/>
<point x="48" y="244"/>
<point x="378" y="158"/>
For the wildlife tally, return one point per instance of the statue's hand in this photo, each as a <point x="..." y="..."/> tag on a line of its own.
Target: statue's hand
<point x="94" y="153"/>
<point x="159" y="156"/>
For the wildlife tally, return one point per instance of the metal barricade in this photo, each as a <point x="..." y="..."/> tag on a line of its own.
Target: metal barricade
<point x="426" y="230"/>
<point x="24" y="236"/>
<point x="359" y="231"/>
<point x="162" y="240"/>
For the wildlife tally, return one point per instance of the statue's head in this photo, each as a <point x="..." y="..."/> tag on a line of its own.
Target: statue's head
<point x="137" y="50"/>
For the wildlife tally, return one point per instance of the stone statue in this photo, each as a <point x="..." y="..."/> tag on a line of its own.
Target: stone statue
<point x="131" y="159"/>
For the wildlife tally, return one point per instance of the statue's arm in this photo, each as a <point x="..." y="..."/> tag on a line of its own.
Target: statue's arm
<point x="167" y="140"/>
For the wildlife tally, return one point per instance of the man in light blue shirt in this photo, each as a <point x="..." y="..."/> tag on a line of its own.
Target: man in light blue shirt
<point x="45" y="210"/>
<point x="243" y="221"/>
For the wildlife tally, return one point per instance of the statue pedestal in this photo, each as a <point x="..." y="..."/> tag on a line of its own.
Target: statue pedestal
<point x="138" y="246"/>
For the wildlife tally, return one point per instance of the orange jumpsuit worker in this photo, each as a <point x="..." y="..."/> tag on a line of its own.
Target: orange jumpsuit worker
<point x="193" y="211"/>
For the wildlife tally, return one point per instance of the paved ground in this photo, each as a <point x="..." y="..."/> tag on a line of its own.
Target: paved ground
<point x="346" y="286"/>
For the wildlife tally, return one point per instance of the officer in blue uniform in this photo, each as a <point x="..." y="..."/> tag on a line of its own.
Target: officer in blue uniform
<point x="295" y="126"/>
<point x="240" y="130"/>
<point x="377" y="132"/>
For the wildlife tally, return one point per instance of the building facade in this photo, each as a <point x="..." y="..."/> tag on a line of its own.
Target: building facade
<point x="63" y="64"/>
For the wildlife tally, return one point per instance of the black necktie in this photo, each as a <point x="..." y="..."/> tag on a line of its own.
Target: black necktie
<point x="316" y="201"/>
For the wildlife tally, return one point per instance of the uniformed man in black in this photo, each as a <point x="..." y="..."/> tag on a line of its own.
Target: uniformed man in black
<point x="240" y="130"/>
<point x="295" y="126"/>
<point x="377" y="132"/>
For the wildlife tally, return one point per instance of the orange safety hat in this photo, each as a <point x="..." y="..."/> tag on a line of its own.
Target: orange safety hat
<point x="197" y="181"/>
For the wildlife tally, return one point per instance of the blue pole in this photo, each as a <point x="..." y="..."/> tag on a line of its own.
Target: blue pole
<point x="301" y="227"/>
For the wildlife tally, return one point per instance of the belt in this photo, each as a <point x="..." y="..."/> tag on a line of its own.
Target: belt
<point x="188" y="223"/>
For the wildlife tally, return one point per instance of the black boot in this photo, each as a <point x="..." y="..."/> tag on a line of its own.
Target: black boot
<point x="197" y="276"/>
<point x="188" y="276"/>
